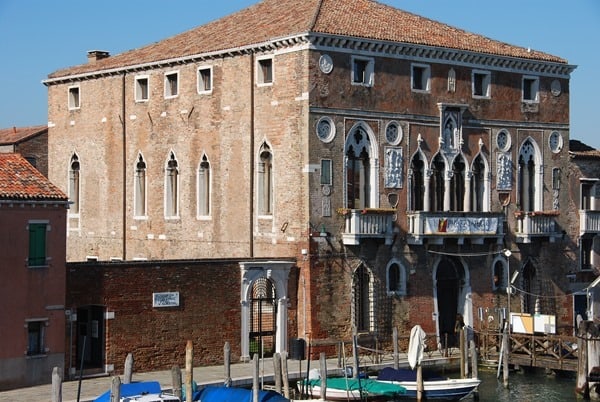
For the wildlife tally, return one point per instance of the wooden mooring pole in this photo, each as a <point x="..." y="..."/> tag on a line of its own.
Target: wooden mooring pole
<point x="176" y="381"/>
<point x="227" y="364"/>
<point x="323" y="372"/>
<point x="395" y="343"/>
<point x="128" y="374"/>
<point x="115" y="389"/>
<point x="285" y="375"/>
<point x="189" y="371"/>
<point x="255" y="383"/>
<point x="56" y="384"/>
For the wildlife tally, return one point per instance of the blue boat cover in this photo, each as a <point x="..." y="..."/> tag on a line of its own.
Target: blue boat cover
<point x="132" y="389"/>
<point x="232" y="394"/>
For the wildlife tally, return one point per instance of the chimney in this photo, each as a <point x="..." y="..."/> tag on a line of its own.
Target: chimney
<point x="95" y="55"/>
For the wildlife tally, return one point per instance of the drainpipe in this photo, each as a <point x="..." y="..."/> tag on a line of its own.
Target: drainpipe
<point x="251" y="170"/>
<point x="123" y="123"/>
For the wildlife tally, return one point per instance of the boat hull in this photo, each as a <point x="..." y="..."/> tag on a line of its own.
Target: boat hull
<point x="453" y="389"/>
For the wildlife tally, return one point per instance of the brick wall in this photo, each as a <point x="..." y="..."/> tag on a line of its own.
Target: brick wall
<point x="208" y="314"/>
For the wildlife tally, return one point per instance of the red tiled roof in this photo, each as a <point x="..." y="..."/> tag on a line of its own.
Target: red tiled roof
<point x="20" y="181"/>
<point x="272" y="19"/>
<point x="16" y="134"/>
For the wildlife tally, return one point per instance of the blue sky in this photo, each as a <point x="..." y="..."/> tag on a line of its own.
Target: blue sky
<point x="38" y="37"/>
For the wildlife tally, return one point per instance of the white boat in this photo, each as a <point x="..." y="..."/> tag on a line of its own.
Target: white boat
<point x="433" y="387"/>
<point x="351" y="389"/>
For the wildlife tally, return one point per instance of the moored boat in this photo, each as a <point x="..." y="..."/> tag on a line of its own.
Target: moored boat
<point x="434" y="387"/>
<point x="144" y="391"/>
<point x="353" y="389"/>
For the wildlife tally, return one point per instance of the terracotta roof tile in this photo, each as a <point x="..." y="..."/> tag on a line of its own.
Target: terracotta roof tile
<point x="20" y="181"/>
<point x="17" y="134"/>
<point x="272" y="19"/>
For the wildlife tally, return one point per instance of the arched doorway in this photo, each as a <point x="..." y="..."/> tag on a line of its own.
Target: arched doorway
<point x="264" y="302"/>
<point x="449" y="279"/>
<point x="263" y="313"/>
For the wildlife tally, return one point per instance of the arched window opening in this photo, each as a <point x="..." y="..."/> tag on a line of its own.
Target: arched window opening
<point x="172" y="187"/>
<point x="417" y="169"/>
<point x="74" y="170"/>
<point x="499" y="276"/>
<point x="478" y="185"/>
<point x="358" y="169"/>
<point x="457" y="185"/>
<point x="265" y="180"/>
<point x="396" y="279"/>
<point x="204" y="178"/>
<point x="363" y="301"/>
<point x="140" y="187"/>
<point x="527" y="181"/>
<point x="438" y="183"/>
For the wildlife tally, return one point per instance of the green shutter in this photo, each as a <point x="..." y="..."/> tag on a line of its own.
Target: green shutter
<point x="37" y="244"/>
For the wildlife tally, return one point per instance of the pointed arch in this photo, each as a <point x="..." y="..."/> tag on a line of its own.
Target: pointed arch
<point x="480" y="184"/>
<point x="396" y="278"/>
<point x="74" y="184"/>
<point x="265" y="179"/>
<point x="452" y="296"/>
<point x="140" y="187"/>
<point x="417" y="178"/>
<point x="171" y="186"/>
<point x="363" y="297"/>
<point x="499" y="273"/>
<point x="437" y="185"/>
<point x="361" y="168"/>
<point x="203" y="185"/>
<point x="458" y="180"/>
<point x="530" y="176"/>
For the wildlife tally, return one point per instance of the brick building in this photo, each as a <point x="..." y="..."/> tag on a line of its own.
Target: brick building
<point x="392" y="160"/>
<point x="31" y="142"/>
<point x="32" y="268"/>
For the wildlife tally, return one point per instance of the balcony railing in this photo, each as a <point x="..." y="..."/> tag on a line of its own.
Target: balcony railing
<point x="369" y="223"/>
<point x="435" y="226"/>
<point x="589" y="221"/>
<point x="537" y="224"/>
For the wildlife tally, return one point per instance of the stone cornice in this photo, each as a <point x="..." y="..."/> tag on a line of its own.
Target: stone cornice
<point x="324" y="42"/>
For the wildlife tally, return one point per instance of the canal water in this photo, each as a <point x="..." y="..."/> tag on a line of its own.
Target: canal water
<point x="531" y="386"/>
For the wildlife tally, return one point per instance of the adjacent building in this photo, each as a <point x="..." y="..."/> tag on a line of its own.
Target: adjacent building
<point x="32" y="266"/>
<point x="400" y="171"/>
<point x="31" y="142"/>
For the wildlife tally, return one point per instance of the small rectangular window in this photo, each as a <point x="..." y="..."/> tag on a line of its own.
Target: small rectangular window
<point x="35" y="338"/>
<point x="142" y="89"/>
<point x="481" y="84"/>
<point x="74" y="99"/>
<point x="326" y="176"/>
<point x="362" y="70"/>
<point x="421" y="74"/>
<point x="171" y="85"/>
<point x="265" y="71"/>
<point x="531" y="89"/>
<point x="37" y="244"/>
<point x="204" y="79"/>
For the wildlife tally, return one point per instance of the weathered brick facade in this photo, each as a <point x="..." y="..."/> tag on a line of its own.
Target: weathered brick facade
<point x="394" y="192"/>
<point x="208" y="313"/>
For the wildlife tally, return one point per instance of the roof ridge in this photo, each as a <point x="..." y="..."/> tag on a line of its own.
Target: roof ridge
<point x="315" y="16"/>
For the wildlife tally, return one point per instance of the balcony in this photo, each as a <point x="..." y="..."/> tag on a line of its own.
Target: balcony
<point x="437" y="226"/>
<point x="589" y="222"/>
<point x="537" y="224"/>
<point x="369" y="223"/>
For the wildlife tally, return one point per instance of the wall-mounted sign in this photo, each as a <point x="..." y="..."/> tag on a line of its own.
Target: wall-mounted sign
<point x="165" y="299"/>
